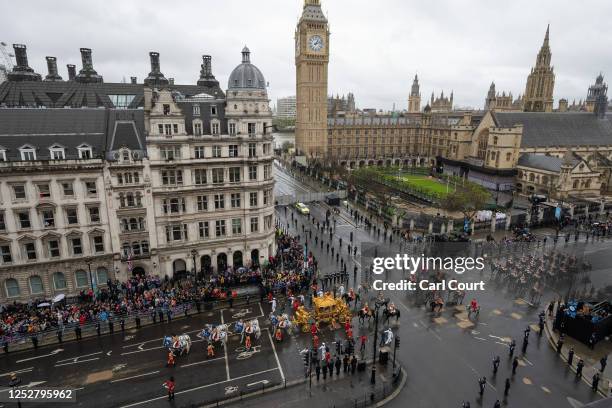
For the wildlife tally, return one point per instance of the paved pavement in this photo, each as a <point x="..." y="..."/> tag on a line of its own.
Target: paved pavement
<point x="452" y="349"/>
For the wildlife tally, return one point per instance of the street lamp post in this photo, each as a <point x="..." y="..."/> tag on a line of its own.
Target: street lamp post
<point x="377" y="304"/>
<point x="89" y="262"/>
<point x="14" y="383"/>
<point x="195" y="279"/>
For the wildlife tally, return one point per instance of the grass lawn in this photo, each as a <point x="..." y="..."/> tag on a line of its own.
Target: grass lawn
<point x="427" y="184"/>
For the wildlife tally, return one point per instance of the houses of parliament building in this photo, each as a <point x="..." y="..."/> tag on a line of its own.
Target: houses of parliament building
<point x="513" y="144"/>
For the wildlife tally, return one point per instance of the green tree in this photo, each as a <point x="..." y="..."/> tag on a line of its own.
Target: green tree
<point x="286" y="146"/>
<point x="468" y="200"/>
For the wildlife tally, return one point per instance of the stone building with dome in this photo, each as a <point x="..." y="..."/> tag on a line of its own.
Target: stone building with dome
<point x="104" y="180"/>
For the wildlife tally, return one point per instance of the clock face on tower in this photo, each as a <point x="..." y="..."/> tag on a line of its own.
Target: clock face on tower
<point x="315" y="43"/>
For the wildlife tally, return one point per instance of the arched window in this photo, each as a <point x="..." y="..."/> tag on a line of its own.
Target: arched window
<point x="80" y="277"/>
<point x="36" y="285"/>
<point x="495" y="138"/>
<point x="138" y="199"/>
<point x="59" y="281"/>
<point x="531" y="177"/>
<point x="544" y="179"/>
<point x="141" y="223"/>
<point x="587" y="183"/>
<point x="508" y="156"/>
<point x="483" y="140"/>
<point x="130" y="199"/>
<point x="102" y="275"/>
<point x="575" y="184"/>
<point x="145" y="247"/>
<point x="121" y="200"/>
<point x="126" y="249"/>
<point x="133" y="224"/>
<point x="125" y="226"/>
<point x="12" y="287"/>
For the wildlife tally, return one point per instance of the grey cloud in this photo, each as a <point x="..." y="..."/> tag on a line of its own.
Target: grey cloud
<point x="377" y="46"/>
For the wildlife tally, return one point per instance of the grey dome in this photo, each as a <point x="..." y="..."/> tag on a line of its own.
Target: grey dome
<point x="246" y="75"/>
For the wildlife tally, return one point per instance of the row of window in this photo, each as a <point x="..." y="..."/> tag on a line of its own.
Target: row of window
<point x="217" y="175"/>
<point x="177" y="205"/>
<point x="51" y="248"/>
<point x="130" y="200"/>
<point x="130" y="177"/>
<point x="179" y="232"/>
<point x="173" y="152"/>
<point x="45" y="189"/>
<point x="58" y="280"/>
<point x="383" y="131"/>
<point x="56" y="152"/>
<point x="196" y="110"/>
<point x="47" y="218"/>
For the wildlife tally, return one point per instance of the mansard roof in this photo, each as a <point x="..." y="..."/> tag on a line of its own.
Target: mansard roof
<point x="105" y="130"/>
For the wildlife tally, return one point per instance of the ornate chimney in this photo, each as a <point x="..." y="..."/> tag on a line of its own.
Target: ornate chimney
<point x="133" y="80"/>
<point x="52" y="68"/>
<point x="21" y="71"/>
<point x="71" y="71"/>
<point x="88" y="75"/>
<point x="155" y="78"/>
<point x="206" y="76"/>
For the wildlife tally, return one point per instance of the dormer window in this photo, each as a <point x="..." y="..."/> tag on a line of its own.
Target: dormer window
<point x="213" y="111"/>
<point x="57" y="152"/>
<point x="196" y="110"/>
<point x="85" y="151"/>
<point x="2" y="154"/>
<point x="166" y="109"/>
<point x="28" y="153"/>
<point x="125" y="155"/>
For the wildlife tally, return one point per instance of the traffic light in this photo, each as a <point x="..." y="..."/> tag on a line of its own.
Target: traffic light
<point x="306" y="358"/>
<point x="397" y="341"/>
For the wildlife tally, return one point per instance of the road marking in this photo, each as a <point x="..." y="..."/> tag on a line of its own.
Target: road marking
<point x="230" y="389"/>
<point x="200" y="362"/>
<point x="77" y="362"/>
<point x="30" y="385"/>
<point x="23" y="370"/>
<point x="109" y="353"/>
<point x="480" y="338"/>
<point x="140" y="351"/>
<point x="528" y="362"/>
<point x="135" y="404"/>
<point x="134" y="376"/>
<point x="128" y="338"/>
<point x="264" y="382"/>
<point x="54" y="352"/>
<point x="141" y="346"/>
<point x="276" y="356"/>
<point x="261" y="310"/>
<point x="76" y="358"/>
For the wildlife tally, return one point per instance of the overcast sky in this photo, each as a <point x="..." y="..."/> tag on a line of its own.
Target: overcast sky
<point x="376" y="45"/>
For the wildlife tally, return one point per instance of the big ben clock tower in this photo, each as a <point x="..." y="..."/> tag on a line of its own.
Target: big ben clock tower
<point x="311" y="59"/>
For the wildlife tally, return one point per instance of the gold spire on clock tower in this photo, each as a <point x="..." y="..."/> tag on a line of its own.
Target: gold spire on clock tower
<point x="311" y="60"/>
